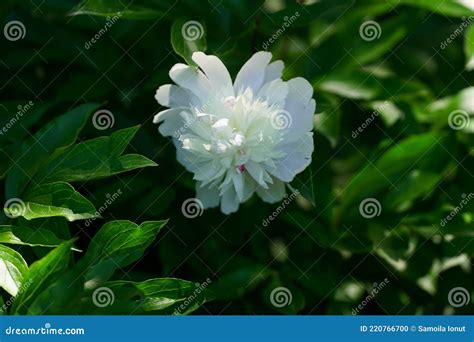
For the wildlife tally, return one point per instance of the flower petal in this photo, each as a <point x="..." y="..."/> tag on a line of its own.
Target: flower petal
<point x="257" y="172"/>
<point x="300" y="105"/>
<point x="173" y="122"/>
<point x="208" y="196"/>
<point x="252" y="73"/>
<point x="170" y="95"/>
<point x="273" y="71"/>
<point x="216" y="72"/>
<point x="274" y="92"/>
<point x="274" y="193"/>
<point x="298" y="151"/>
<point x="193" y="79"/>
<point x="229" y="201"/>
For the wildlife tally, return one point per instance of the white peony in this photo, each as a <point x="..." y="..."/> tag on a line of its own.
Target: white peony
<point x="250" y="136"/>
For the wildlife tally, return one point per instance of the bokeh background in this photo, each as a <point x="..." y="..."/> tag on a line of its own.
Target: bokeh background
<point x="383" y="223"/>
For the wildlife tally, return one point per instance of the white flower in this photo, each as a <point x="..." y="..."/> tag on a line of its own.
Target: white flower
<point x="250" y="136"/>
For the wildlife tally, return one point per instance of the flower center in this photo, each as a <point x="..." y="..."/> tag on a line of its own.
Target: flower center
<point x="241" y="168"/>
<point x="231" y="132"/>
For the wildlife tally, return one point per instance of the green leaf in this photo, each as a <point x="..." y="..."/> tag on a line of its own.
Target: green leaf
<point x="12" y="269"/>
<point x="188" y="37"/>
<point x="417" y="184"/>
<point x="357" y="86"/>
<point x="60" y="132"/>
<point x="356" y="48"/>
<point x="391" y="167"/>
<point x="328" y="119"/>
<point x="394" y="243"/>
<point x="388" y="111"/>
<point x="455" y="110"/>
<point x="56" y="225"/>
<point x="3" y="307"/>
<point x="22" y="235"/>
<point x="324" y="10"/>
<point x="118" y="244"/>
<point x="392" y="31"/>
<point x="56" y="199"/>
<point x="95" y="158"/>
<point x="314" y="183"/>
<point x="175" y="294"/>
<point x="364" y="85"/>
<point x="455" y="8"/>
<point x="109" y="8"/>
<point x="162" y="295"/>
<point x="469" y="48"/>
<point x="41" y="274"/>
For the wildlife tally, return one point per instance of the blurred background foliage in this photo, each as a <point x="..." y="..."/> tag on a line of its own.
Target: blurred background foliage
<point x="405" y="81"/>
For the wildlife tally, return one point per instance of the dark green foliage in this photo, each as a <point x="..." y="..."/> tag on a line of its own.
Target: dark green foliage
<point x="91" y="213"/>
